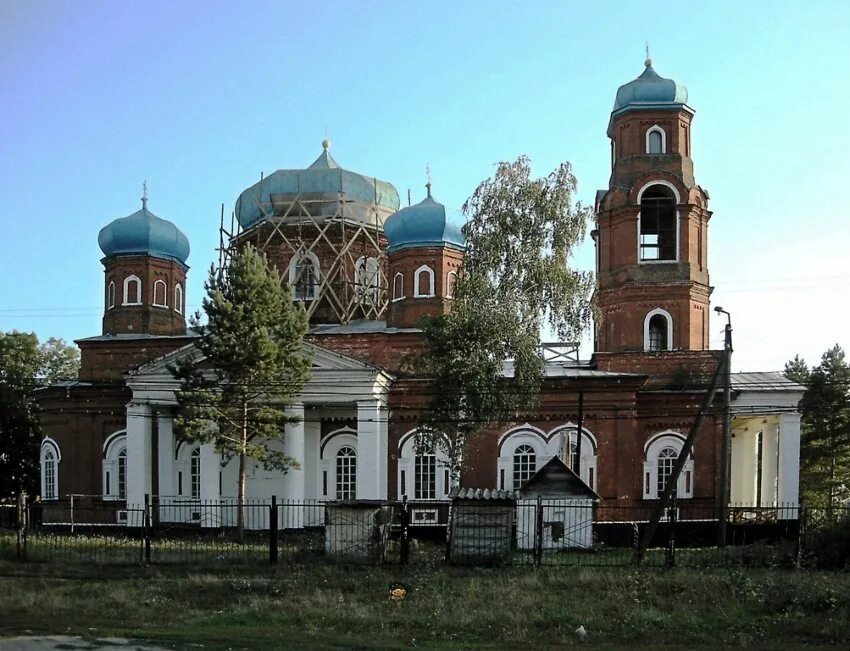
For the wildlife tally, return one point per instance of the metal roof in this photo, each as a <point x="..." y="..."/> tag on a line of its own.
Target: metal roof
<point x="764" y="382"/>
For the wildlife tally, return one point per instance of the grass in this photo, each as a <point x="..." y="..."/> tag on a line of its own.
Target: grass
<point x="330" y="606"/>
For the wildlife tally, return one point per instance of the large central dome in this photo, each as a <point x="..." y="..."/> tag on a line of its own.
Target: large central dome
<point x="323" y="190"/>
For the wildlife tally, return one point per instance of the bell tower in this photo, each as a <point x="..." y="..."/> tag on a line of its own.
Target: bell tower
<point x="651" y="235"/>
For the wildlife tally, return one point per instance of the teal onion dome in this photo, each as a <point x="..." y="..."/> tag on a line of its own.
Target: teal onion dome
<point x="422" y="225"/>
<point x="650" y="91"/>
<point x="324" y="185"/>
<point x="143" y="233"/>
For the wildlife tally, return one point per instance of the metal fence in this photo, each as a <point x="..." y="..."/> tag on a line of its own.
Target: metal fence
<point x="171" y="530"/>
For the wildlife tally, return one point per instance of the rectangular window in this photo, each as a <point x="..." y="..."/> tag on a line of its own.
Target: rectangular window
<point x="425" y="471"/>
<point x="108" y="489"/>
<point x="591" y="478"/>
<point x="446" y="482"/>
<point x="646" y="484"/>
<point x="324" y="482"/>
<point x="179" y="483"/>
<point x="402" y="490"/>
<point x="502" y="479"/>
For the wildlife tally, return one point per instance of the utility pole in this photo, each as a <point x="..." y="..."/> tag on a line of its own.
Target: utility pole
<point x="726" y="442"/>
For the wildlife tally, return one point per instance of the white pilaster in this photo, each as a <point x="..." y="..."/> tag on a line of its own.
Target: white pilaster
<point x="138" y="459"/>
<point x="165" y="462"/>
<point x="769" y="463"/>
<point x="789" y="458"/>
<point x="293" y="446"/>
<point x="371" y="450"/>
<point x="312" y="437"/>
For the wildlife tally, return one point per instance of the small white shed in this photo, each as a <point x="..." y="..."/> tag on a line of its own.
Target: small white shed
<point x="556" y="498"/>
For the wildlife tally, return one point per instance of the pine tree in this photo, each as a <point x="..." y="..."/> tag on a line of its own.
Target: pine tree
<point x="516" y="278"/>
<point x="251" y="364"/>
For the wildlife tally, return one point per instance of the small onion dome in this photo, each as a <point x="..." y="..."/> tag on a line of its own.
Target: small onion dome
<point x="422" y="225"/>
<point x="650" y="91"/>
<point x="143" y="233"/>
<point x="323" y="180"/>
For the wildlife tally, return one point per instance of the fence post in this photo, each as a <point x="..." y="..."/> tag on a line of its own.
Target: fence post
<point x="146" y="528"/>
<point x="671" y="540"/>
<point x="801" y="536"/>
<point x="404" y="540"/>
<point x="538" y="531"/>
<point x="22" y="527"/>
<point x="273" y="531"/>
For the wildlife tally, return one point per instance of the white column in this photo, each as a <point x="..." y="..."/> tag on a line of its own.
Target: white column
<point x="165" y="462"/>
<point x="138" y="460"/>
<point x="292" y="509"/>
<point x="312" y="436"/>
<point x="211" y="515"/>
<point x="789" y="459"/>
<point x="371" y="450"/>
<point x="743" y="468"/>
<point x="769" y="463"/>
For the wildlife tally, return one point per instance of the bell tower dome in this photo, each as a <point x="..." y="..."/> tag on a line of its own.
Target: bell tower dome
<point x="652" y="289"/>
<point x="145" y="275"/>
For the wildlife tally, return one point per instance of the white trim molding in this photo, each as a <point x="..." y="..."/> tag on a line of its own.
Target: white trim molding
<point x="657" y="129"/>
<point x="138" y="282"/>
<point x="110" y="295"/>
<point x="424" y="269"/>
<point x="178" y="298"/>
<point x="678" y="199"/>
<point x="157" y="283"/>
<point x="451" y="279"/>
<point x="669" y="319"/>
<point x="398" y="287"/>
<point x="49" y="454"/>
<point x="317" y="275"/>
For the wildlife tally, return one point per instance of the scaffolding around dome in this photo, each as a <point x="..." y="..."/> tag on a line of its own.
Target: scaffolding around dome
<point x="331" y="249"/>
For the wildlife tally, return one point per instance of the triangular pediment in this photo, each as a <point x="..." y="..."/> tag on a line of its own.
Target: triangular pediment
<point x="323" y="359"/>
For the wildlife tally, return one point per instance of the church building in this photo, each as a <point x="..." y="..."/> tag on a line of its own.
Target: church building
<point x="366" y="271"/>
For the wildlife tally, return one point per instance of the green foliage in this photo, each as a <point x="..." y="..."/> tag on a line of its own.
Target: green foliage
<point x="516" y="278"/>
<point x="250" y="363"/>
<point x="25" y="366"/>
<point x="825" y="439"/>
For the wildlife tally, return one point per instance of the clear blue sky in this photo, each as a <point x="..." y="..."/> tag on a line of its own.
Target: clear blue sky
<point x="199" y="98"/>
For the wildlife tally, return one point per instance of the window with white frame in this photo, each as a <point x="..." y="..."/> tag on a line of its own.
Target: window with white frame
<point x="451" y="280"/>
<point x="304" y="276"/>
<point x="366" y="280"/>
<point x="346" y="473"/>
<point x="425" y="477"/>
<point x="110" y="295"/>
<point x="178" y="298"/>
<point x="132" y="290"/>
<point x="338" y="464"/>
<point x="50" y="458"/>
<point x="195" y="474"/>
<point x="658" y="331"/>
<point x="160" y="293"/>
<point x="398" y="286"/>
<point x="656" y="140"/>
<point x="658" y="224"/>
<point x="115" y="467"/>
<point x="662" y="451"/>
<point x="525" y="465"/>
<point x="423" y="282"/>
<point x="424" y="473"/>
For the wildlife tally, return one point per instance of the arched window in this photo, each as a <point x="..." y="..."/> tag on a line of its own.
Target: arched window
<point x="398" y="286"/>
<point x="423" y="474"/>
<point x="661" y="454"/>
<point x="366" y="280"/>
<point x="160" y="293"/>
<point x="656" y="140"/>
<point x="304" y="276"/>
<point x="423" y="282"/>
<point x="50" y="459"/>
<point x="115" y="467"/>
<point x="110" y="295"/>
<point x="658" y="224"/>
<point x="178" y="298"/>
<point x="132" y="290"/>
<point x="195" y="473"/>
<point x="346" y="473"/>
<point x="569" y="453"/>
<point x="658" y="331"/>
<point x="451" y="279"/>
<point x="525" y="464"/>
